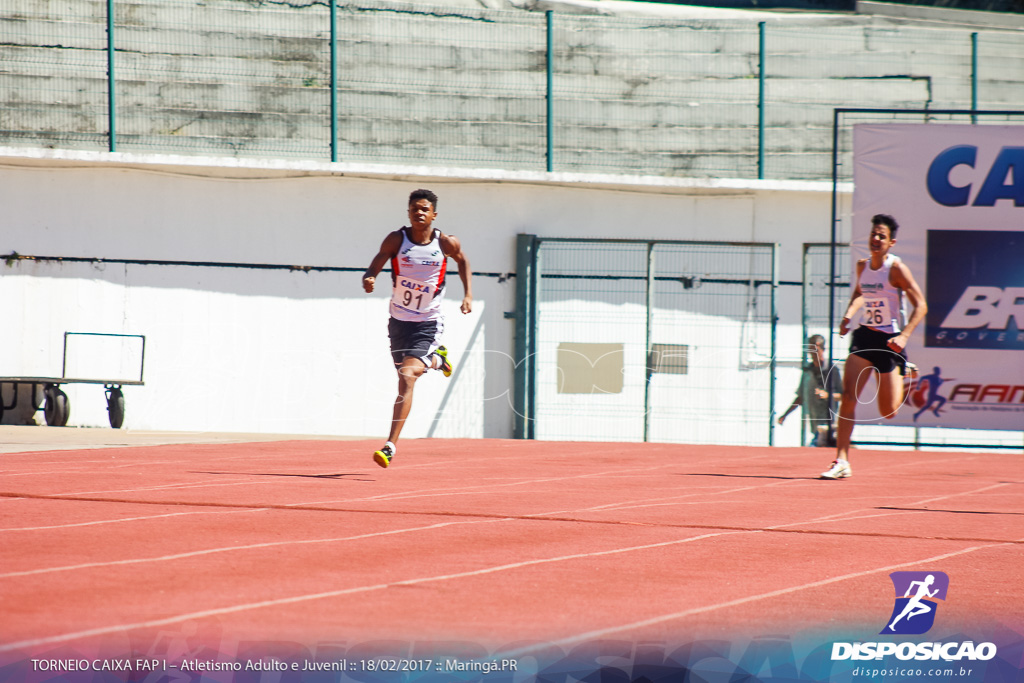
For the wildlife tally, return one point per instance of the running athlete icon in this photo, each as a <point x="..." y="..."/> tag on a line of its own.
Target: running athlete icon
<point x="916" y="606"/>
<point x="931" y="384"/>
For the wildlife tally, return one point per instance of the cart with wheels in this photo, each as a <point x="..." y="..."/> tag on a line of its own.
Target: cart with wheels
<point x="46" y="392"/>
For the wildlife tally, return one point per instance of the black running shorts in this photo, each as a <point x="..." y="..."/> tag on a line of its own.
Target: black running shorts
<point x="417" y="339"/>
<point x="872" y="346"/>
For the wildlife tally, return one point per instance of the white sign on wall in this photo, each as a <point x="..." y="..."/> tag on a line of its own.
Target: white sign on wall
<point x="957" y="192"/>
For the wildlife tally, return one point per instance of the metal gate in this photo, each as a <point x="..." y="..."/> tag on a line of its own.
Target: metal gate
<point x="825" y="293"/>
<point x="629" y="340"/>
<point x="823" y="304"/>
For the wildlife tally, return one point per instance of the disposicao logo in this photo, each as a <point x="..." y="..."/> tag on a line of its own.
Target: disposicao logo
<point x="913" y="613"/>
<point x="916" y="595"/>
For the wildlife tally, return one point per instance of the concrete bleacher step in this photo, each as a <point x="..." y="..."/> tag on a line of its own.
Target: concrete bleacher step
<point x="665" y="96"/>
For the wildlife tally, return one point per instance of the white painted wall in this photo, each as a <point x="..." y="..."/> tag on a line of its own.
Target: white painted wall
<point x="234" y="349"/>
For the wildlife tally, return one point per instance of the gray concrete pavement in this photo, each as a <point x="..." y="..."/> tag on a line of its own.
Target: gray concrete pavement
<point x="20" y="439"/>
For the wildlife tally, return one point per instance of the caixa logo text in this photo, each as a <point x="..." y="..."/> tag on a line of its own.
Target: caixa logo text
<point x="947" y="652"/>
<point x="1003" y="180"/>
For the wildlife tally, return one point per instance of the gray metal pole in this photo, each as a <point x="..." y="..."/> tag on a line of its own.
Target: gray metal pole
<point x="551" y="95"/>
<point x="525" y="254"/>
<point x="111" y="95"/>
<point x="772" y="362"/>
<point x="536" y="270"/>
<point x="334" y="80"/>
<point x="760" y="101"/>
<point x="974" y="77"/>
<point x="805" y="329"/>
<point x="650" y="321"/>
<point x="550" y="90"/>
<point x="832" y="241"/>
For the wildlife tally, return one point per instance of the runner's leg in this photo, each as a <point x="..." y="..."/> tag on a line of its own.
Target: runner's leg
<point x="858" y="371"/>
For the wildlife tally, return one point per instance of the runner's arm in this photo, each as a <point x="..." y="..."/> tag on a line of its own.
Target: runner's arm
<point x="901" y="277"/>
<point x="452" y="248"/>
<point x="856" y="301"/>
<point x="388" y="250"/>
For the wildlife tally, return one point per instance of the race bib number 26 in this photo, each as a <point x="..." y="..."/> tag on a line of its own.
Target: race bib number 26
<point x="876" y="312"/>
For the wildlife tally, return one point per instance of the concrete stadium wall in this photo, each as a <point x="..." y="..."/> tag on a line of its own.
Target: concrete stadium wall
<point x="462" y="85"/>
<point x="305" y="351"/>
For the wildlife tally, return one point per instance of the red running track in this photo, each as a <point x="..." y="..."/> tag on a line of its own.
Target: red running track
<point x="493" y="542"/>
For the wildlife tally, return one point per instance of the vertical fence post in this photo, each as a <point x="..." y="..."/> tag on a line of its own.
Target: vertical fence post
<point x="772" y="363"/>
<point x="537" y="271"/>
<point x="974" y="77"/>
<point x="805" y="329"/>
<point x="525" y="343"/>
<point x="549" y="15"/>
<point x="760" y="101"/>
<point x="836" y="117"/>
<point x="334" y="80"/>
<point x="649" y="371"/>
<point x="111" y="95"/>
<point x="524" y="255"/>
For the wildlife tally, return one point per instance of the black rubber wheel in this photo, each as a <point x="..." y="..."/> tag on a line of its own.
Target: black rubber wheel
<point x="62" y="399"/>
<point x="115" y="408"/>
<point x="56" y="408"/>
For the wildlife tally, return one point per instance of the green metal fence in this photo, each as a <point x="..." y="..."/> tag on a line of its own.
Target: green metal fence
<point x="825" y="289"/>
<point x="628" y="340"/>
<point x="405" y="83"/>
<point x="670" y="341"/>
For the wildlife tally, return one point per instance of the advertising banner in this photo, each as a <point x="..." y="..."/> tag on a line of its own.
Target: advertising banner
<point x="957" y="192"/>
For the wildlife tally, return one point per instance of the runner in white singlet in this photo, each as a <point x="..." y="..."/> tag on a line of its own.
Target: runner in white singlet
<point x="417" y="277"/>
<point x="883" y="281"/>
<point x="419" y="256"/>
<point x="884" y="306"/>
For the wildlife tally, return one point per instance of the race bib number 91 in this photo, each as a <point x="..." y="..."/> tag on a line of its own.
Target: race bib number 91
<point x="412" y="294"/>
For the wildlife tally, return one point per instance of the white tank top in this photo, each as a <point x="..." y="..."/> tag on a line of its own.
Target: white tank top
<point x="883" y="303"/>
<point x="417" y="276"/>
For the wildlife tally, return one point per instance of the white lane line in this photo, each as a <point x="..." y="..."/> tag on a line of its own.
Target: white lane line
<point x="341" y="592"/>
<point x="477" y="489"/>
<point x="957" y="495"/>
<point x="601" y="633"/>
<point x="118" y="520"/>
<point x="243" y="607"/>
<point x="228" y="549"/>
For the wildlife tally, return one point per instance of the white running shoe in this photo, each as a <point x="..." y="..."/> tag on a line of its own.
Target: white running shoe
<point x="840" y="470"/>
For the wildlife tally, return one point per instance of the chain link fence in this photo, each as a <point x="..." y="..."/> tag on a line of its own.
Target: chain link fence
<point x="405" y="83"/>
<point x="653" y="341"/>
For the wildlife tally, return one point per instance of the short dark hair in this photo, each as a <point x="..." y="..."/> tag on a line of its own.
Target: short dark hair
<point x="816" y="340"/>
<point x="423" y="194"/>
<point x="888" y="221"/>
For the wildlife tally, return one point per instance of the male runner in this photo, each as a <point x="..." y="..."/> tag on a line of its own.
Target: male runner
<point x="419" y="256"/>
<point x="883" y="280"/>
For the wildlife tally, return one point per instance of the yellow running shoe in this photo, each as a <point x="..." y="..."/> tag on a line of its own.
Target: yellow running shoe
<point x="446" y="367"/>
<point x="384" y="455"/>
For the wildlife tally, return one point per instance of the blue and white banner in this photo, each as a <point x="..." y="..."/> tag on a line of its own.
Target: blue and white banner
<point x="957" y="192"/>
